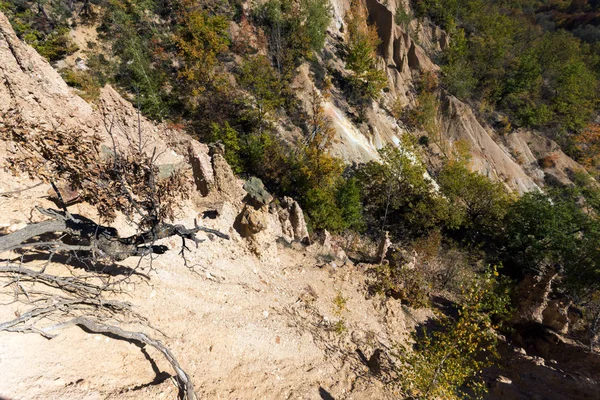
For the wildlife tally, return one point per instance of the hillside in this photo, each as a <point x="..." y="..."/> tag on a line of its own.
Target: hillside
<point x="170" y="271"/>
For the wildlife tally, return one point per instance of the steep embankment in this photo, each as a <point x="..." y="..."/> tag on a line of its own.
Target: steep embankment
<point x="258" y="316"/>
<point x="252" y="317"/>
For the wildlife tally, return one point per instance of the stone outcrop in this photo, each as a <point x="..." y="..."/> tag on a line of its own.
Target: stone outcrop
<point x="556" y="316"/>
<point x="296" y="218"/>
<point x="225" y="181"/>
<point x="331" y="248"/>
<point x="201" y="167"/>
<point x="532" y="296"/>
<point x="384" y="245"/>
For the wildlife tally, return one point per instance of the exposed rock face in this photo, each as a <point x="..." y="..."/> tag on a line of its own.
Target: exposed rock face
<point x="397" y="47"/>
<point x="402" y="58"/>
<point x="383" y="19"/>
<point x="459" y="123"/>
<point x="532" y="296"/>
<point x="201" y="167"/>
<point x="296" y="218"/>
<point x="32" y="88"/>
<point x="31" y="85"/>
<point x="530" y="149"/>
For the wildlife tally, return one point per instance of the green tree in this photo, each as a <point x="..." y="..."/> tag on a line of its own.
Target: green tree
<point x="332" y="202"/>
<point x="200" y="38"/>
<point x="350" y="202"/>
<point x="256" y="75"/>
<point x="397" y="194"/>
<point x="554" y="232"/>
<point x="294" y="29"/>
<point x="317" y="17"/>
<point x="458" y="75"/>
<point x="361" y="42"/>
<point x="402" y="17"/>
<point x="478" y="205"/>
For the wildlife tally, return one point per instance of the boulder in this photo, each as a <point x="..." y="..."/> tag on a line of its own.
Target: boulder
<point x="249" y="222"/>
<point x="257" y="194"/>
<point x="556" y="316"/>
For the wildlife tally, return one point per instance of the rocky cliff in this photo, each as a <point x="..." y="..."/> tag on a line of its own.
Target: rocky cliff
<point x="405" y="54"/>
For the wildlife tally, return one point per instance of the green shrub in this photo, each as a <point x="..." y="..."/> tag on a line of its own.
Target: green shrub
<point x="446" y="363"/>
<point x="499" y="56"/>
<point x="55" y="46"/>
<point x="402" y="17"/>
<point x="424" y="115"/>
<point x="399" y="282"/>
<point x="47" y="33"/>
<point x="86" y="83"/>
<point x="398" y="197"/>
<point x="230" y="138"/>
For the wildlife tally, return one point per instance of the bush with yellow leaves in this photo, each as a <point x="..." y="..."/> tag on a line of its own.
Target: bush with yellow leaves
<point x="447" y="363"/>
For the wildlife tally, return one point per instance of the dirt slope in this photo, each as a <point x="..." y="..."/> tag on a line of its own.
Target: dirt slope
<point x="250" y="320"/>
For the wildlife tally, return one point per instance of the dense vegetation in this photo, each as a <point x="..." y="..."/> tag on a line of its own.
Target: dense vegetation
<point x="500" y="56"/>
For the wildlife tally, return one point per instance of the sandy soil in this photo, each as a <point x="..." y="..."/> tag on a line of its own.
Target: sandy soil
<point x="243" y="328"/>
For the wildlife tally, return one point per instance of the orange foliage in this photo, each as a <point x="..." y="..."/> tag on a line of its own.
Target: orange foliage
<point x="548" y="161"/>
<point x="587" y="145"/>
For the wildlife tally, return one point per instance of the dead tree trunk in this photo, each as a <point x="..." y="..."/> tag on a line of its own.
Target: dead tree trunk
<point x="101" y="241"/>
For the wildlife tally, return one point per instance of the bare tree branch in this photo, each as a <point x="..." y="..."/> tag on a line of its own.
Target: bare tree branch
<point x="101" y="240"/>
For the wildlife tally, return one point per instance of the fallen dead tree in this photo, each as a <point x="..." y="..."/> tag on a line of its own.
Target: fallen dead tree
<point x="125" y="182"/>
<point x="100" y="241"/>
